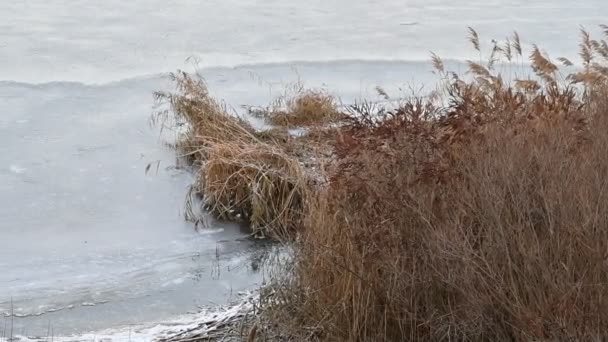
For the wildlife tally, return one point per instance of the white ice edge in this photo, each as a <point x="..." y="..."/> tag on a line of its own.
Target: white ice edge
<point x="199" y="323"/>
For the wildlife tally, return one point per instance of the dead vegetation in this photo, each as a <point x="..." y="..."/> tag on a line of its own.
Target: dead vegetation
<point x="243" y="174"/>
<point x="477" y="213"/>
<point x="307" y="108"/>
<point x="258" y="182"/>
<point x="299" y="107"/>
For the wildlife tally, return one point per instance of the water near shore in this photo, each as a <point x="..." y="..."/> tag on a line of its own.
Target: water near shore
<point x="88" y="240"/>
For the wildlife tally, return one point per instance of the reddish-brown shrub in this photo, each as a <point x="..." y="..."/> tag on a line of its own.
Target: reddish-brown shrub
<point x="480" y="214"/>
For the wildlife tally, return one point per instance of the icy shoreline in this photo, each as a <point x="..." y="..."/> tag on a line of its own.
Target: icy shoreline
<point x="209" y="323"/>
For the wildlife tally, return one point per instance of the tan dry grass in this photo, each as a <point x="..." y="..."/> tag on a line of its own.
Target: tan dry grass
<point x="305" y="108"/>
<point x="207" y="120"/>
<point x="258" y="182"/>
<point x="243" y="174"/>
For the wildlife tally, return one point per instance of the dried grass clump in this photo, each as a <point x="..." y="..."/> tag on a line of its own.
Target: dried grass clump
<point x="305" y="108"/>
<point x="479" y="214"/>
<point x="205" y="119"/>
<point x="243" y="174"/>
<point x="257" y="182"/>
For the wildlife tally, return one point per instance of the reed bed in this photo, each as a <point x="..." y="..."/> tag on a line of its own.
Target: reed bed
<point x="476" y="213"/>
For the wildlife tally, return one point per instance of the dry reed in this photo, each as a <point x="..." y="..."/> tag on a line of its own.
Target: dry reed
<point x="243" y="174"/>
<point x="478" y="213"/>
<point x="301" y="107"/>
<point x="481" y="216"/>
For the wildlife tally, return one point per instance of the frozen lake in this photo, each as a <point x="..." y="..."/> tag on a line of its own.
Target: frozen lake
<point x="92" y="42"/>
<point x="89" y="241"/>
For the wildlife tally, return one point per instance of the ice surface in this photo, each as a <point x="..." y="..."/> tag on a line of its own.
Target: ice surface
<point x="91" y="41"/>
<point x="207" y="321"/>
<point x="87" y="238"/>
